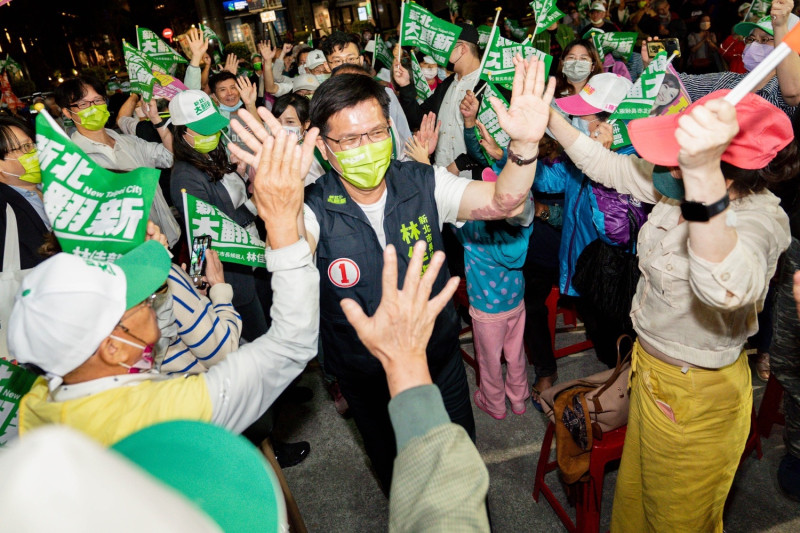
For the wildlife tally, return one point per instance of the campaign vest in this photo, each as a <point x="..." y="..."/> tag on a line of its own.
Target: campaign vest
<point x="350" y="262"/>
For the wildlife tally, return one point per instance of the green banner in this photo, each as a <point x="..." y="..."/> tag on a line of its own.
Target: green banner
<point x="95" y="213"/>
<point x="545" y="13"/>
<point x="10" y="65"/>
<point x="484" y="32"/>
<point x="209" y="34"/>
<point x="591" y="32"/>
<point x="432" y="35"/>
<point x="620" y="42"/>
<point x="641" y="97"/>
<point x="488" y="117"/>
<point x="140" y="71"/>
<point x="156" y="49"/>
<point x="15" y="382"/>
<point x="499" y="66"/>
<point x="232" y="242"/>
<point x="517" y="31"/>
<point x="619" y="131"/>
<point x="382" y="53"/>
<point x="420" y="83"/>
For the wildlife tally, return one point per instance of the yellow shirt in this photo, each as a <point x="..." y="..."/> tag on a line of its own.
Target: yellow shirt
<point x="115" y="413"/>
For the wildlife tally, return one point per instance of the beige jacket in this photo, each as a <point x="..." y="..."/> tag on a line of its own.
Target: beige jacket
<point x="686" y="307"/>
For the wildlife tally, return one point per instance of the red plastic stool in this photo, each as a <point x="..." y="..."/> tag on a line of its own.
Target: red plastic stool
<point x="461" y="299"/>
<point x="590" y="492"/>
<point x="570" y="319"/>
<point x="769" y="413"/>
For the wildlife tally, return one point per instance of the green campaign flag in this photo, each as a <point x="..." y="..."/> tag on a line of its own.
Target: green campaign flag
<point x="420" y="83"/>
<point x="382" y="53"/>
<point x="209" y="34"/>
<point x="758" y="9"/>
<point x="546" y="13"/>
<point x="432" y="35"/>
<point x="499" y="66"/>
<point x="591" y="32"/>
<point x="488" y="117"/>
<point x="619" y="132"/>
<point x="641" y="97"/>
<point x="95" y="213"/>
<point x="10" y="65"/>
<point x="517" y="31"/>
<point x="156" y="49"/>
<point x="619" y="42"/>
<point x="311" y="40"/>
<point x="232" y="242"/>
<point x="15" y="382"/>
<point x="484" y="32"/>
<point x="140" y="71"/>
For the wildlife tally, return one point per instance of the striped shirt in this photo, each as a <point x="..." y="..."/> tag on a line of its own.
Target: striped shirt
<point x="699" y="85"/>
<point x="208" y="330"/>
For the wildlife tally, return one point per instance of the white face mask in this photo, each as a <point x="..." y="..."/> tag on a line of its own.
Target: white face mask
<point x="577" y="70"/>
<point x="430" y="73"/>
<point x="295" y="130"/>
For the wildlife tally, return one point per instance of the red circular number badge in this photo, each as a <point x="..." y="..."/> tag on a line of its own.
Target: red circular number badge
<point x="344" y="273"/>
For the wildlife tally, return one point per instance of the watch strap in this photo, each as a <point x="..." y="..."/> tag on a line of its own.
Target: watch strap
<point x="700" y="212"/>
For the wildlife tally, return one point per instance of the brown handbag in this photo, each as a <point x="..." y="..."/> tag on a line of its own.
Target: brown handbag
<point x="606" y="395"/>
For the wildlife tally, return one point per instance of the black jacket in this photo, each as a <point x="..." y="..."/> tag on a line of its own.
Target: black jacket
<point x="31" y="230"/>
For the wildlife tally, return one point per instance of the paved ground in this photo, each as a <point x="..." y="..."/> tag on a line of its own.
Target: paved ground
<point x="336" y="491"/>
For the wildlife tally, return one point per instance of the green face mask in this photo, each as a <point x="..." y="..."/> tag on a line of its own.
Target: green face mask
<point x="95" y="117"/>
<point x="365" y="166"/>
<point x="257" y="66"/>
<point x="205" y="143"/>
<point x="30" y="162"/>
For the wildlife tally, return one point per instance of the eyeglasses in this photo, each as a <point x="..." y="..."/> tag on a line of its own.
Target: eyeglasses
<point x="351" y="60"/>
<point x="354" y="141"/>
<point x="765" y="39"/>
<point x="25" y="148"/>
<point x="83" y="104"/>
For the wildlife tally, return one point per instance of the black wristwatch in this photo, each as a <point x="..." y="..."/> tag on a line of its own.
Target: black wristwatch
<point x="700" y="212"/>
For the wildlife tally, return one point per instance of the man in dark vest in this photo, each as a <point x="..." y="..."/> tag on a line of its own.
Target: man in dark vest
<point x="366" y="201"/>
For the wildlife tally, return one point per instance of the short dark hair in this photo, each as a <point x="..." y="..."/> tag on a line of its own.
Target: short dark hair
<point x="472" y="47"/>
<point x="785" y="165"/>
<point x="339" y="40"/>
<point x="73" y="89"/>
<point x="299" y="103"/>
<point x="342" y="92"/>
<point x="219" y="77"/>
<point x="8" y="141"/>
<point x="350" y="68"/>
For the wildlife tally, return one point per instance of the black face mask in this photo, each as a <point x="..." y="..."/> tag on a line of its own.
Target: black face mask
<point x="451" y="67"/>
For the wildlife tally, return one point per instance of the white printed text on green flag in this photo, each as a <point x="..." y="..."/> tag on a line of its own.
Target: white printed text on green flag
<point x="546" y="13"/>
<point x="642" y="95"/>
<point x="15" y="382"/>
<point x="381" y="53"/>
<point x="232" y="242"/>
<point x="95" y="213"/>
<point x="420" y="83"/>
<point x="140" y="71"/>
<point x="488" y="117"/>
<point x="432" y="35"/>
<point x="499" y="67"/>
<point x="156" y="49"/>
<point x="209" y="34"/>
<point x="484" y="32"/>
<point x="617" y="42"/>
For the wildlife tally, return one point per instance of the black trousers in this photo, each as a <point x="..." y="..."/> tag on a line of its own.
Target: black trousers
<point x="603" y="330"/>
<point x="368" y="398"/>
<point x="539" y="281"/>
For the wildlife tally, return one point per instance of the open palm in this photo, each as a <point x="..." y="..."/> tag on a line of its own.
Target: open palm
<point x="526" y="118"/>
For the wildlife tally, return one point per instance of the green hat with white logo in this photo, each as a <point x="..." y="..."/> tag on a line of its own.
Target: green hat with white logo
<point x="195" y="110"/>
<point x="764" y="23"/>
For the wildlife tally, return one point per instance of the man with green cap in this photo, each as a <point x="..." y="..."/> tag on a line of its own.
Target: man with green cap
<point x="89" y="327"/>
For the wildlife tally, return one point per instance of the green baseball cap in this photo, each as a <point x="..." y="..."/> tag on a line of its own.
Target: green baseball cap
<point x="745" y="28"/>
<point x="146" y="268"/>
<point x="221" y="473"/>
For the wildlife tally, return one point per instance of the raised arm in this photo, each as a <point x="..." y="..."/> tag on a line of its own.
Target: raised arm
<point x="198" y="46"/>
<point x="265" y="49"/>
<point x="525" y="122"/>
<point x="151" y="110"/>
<point x="789" y="69"/>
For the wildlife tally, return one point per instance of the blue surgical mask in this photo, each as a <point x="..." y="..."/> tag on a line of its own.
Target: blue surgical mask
<point x="442" y="73"/>
<point x="229" y="109"/>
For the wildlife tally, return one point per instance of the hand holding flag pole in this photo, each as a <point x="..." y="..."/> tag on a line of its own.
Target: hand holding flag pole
<point x="790" y="43"/>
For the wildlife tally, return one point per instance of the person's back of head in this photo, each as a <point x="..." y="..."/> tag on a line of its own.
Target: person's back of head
<point x="349" y="68"/>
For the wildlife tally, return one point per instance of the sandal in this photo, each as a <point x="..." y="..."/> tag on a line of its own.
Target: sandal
<point x="762" y="366"/>
<point x="536" y="394"/>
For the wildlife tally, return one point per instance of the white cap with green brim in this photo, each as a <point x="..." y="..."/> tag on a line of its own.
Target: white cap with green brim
<point x="195" y="110"/>
<point x="66" y="305"/>
<point x="764" y="24"/>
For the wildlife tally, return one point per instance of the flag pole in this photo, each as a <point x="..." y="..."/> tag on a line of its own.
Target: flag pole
<point x="790" y="43"/>
<point x="398" y="50"/>
<point x="138" y="44"/>
<point x="374" y="52"/>
<point x="488" y="45"/>
<point x="186" y="220"/>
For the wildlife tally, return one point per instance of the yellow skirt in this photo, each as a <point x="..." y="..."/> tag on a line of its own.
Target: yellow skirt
<point x="686" y="434"/>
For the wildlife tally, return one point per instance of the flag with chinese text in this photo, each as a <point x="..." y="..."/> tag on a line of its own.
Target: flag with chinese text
<point x="432" y="35"/>
<point x="420" y="83"/>
<point x="382" y="53"/>
<point x="151" y="45"/>
<point x="95" y="213"/>
<point x="499" y="66"/>
<point x="167" y="86"/>
<point x="545" y="13"/>
<point x="488" y="117"/>
<point x="484" y="32"/>
<point x="620" y="42"/>
<point x="232" y="242"/>
<point x="140" y="71"/>
<point x="15" y="382"/>
<point x="209" y="34"/>
<point x="642" y="95"/>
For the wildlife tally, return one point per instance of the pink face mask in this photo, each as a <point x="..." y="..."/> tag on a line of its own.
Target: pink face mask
<point x="145" y="364"/>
